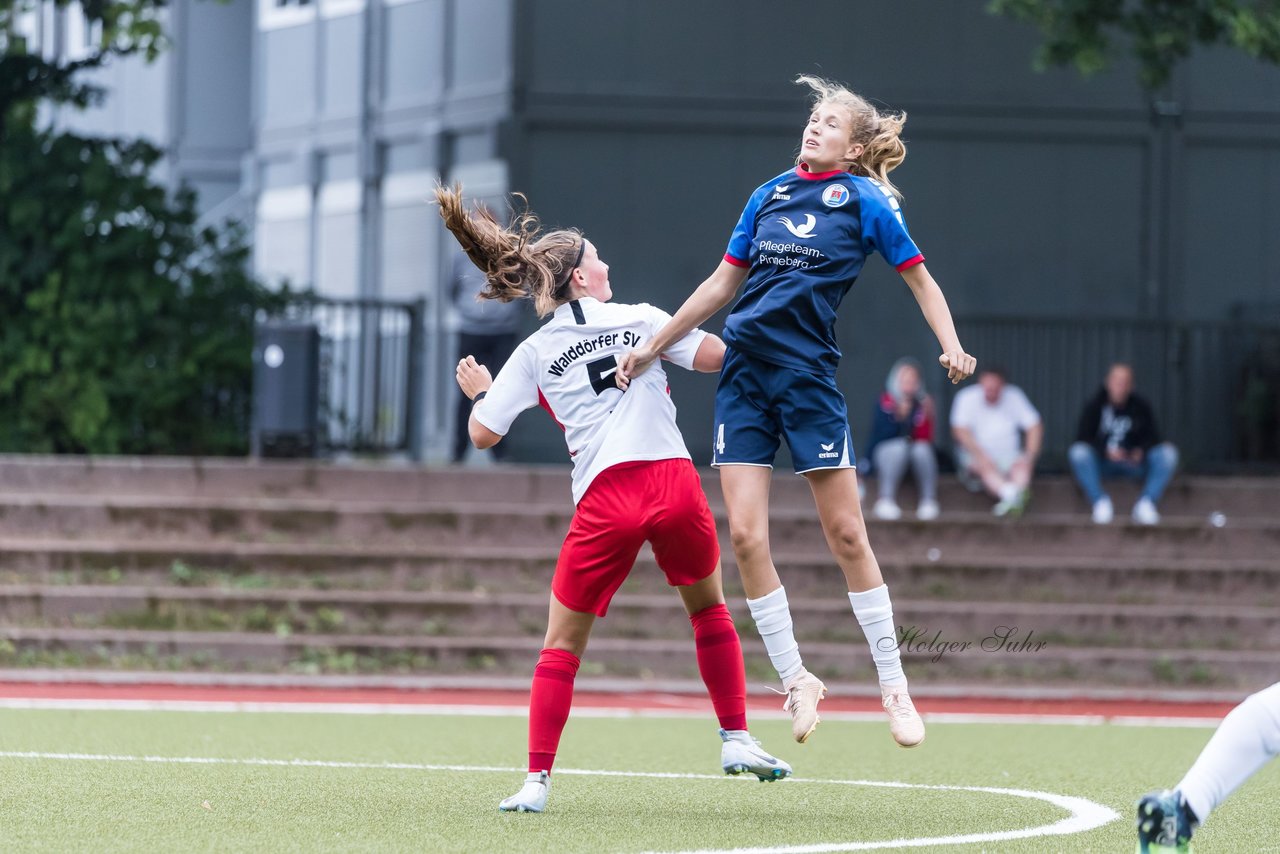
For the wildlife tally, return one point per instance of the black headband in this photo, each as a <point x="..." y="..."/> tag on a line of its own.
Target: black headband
<point x="582" y="247"/>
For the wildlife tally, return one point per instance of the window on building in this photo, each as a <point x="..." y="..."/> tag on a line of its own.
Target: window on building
<point x="274" y="14"/>
<point x="27" y="26"/>
<point x="83" y="37"/>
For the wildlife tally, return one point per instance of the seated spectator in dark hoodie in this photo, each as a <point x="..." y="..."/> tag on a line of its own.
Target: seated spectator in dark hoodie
<point x="1118" y="437"/>
<point x="902" y="438"/>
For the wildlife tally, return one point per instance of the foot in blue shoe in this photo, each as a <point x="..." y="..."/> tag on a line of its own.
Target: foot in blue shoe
<point x="1165" y="823"/>
<point x="532" y="796"/>
<point x="742" y="754"/>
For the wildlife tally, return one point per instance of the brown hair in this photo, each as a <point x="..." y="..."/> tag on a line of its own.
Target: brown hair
<point x="880" y="134"/>
<point x="517" y="260"/>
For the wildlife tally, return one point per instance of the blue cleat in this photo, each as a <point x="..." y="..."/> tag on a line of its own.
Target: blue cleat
<point x="741" y="754"/>
<point x="1165" y="823"/>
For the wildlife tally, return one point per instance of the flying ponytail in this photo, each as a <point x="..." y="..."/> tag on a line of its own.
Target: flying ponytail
<point x="879" y="133"/>
<point x="518" y="262"/>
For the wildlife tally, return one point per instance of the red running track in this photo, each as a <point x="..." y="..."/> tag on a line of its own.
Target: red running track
<point x="639" y="701"/>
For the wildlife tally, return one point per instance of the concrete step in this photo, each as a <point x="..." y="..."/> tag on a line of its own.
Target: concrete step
<point x="621" y="657"/>
<point x="529" y="485"/>
<point x="635" y="615"/>
<point x="325" y="521"/>
<point x="916" y="574"/>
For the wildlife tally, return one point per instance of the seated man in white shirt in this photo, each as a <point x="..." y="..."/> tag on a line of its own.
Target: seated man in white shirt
<point x="998" y="436"/>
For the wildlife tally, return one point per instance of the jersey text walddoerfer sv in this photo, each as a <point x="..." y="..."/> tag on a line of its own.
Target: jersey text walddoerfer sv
<point x="568" y="366"/>
<point x="804" y="238"/>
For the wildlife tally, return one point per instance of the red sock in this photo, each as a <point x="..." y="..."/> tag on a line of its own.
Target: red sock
<point x="720" y="663"/>
<point x="549" y="702"/>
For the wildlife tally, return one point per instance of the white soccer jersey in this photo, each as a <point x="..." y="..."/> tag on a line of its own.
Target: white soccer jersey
<point x="568" y="366"/>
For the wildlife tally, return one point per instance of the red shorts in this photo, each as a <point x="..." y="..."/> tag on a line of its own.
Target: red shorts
<point x="660" y="501"/>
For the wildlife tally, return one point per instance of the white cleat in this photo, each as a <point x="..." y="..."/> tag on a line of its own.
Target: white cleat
<point x="803" y="695"/>
<point x="532" y="796"/>
<point x="742" y="754"/>
<point x="904" y="721"/>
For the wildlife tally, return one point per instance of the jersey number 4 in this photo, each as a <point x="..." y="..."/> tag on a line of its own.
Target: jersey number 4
<point x="601" y="373"/>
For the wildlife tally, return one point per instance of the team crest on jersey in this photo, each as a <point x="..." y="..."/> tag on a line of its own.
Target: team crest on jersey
<point x="835" y="195"/>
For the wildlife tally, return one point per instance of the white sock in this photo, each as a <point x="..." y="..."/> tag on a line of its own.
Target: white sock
<point x="772" y="616"/>
<point x="1008" y="492"/>
<point x="875" y="614"/>
<point x="1246" y="740"/>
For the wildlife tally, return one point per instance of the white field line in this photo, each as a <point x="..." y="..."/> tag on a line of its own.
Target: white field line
<point x="578" y="711"/>
<point x="1084" y="815"/>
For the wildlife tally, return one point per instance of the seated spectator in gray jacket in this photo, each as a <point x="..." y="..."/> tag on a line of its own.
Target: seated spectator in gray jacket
<point x="1118" y="437"/>
<point x="901" y="438"/>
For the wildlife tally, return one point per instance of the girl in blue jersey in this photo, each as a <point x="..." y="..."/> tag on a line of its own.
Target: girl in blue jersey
<point x="799" y="245"/>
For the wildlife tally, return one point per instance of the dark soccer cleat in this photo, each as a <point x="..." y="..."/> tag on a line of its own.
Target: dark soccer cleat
<point x="1165" y="823"/>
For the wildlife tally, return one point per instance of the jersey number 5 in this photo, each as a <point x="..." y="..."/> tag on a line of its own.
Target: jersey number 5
<point x="601" y="373"/>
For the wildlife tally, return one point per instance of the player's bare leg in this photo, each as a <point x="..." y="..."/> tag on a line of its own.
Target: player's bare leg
<point x="746" y="497"/>
<point x="835" y="491"/>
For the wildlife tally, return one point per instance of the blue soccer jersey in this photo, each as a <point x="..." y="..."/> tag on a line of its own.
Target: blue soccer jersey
<point x="805" y="237"/>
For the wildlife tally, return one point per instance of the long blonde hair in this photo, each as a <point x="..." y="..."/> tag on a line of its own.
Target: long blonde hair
<point x="880" y="134"/>
<point x="517" y="260"/>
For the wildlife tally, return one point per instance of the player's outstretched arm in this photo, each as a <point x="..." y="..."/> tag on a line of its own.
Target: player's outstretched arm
<point x="474" y="378"/>
<point x="709" y="297"/>
<point x="959" y="364"/>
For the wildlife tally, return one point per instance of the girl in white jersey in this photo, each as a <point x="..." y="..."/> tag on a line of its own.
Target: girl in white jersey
<point x="800" y="243"/>
<point x="633" y="480"/>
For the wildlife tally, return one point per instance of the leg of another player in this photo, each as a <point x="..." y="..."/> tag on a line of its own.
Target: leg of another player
<point x="746" y="498"/>
<point x="550" y="698"/>
<point x="1246" y="740"/>
<point x="835" y="491"/>
<point x="720" y="664"/>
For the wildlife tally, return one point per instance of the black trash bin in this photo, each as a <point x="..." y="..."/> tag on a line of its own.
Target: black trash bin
<point x="286" y="389"/>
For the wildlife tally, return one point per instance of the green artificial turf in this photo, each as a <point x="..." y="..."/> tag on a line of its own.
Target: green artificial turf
<point x="99" y="805"/>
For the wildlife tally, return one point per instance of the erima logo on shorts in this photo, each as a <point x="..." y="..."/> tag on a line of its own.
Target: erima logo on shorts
<point x="828" y="451"/>
<point x="804" y="232"/>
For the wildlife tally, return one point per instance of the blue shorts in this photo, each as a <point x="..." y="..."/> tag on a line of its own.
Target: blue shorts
<point x="759" y="403"/>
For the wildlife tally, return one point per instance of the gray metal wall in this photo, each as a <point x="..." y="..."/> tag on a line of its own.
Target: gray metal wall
<point x="648" y="122"/>
<point x="193" y="102"/>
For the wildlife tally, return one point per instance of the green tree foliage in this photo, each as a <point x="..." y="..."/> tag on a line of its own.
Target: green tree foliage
<point x="127" y="329"/>
<point x="1160" y="33"/>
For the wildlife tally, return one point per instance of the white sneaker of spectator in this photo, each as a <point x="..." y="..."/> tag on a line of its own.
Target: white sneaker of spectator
<point x="1103" y="512"/>
<point x="887" y="509"/>
<point x="1145" y="512"/>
